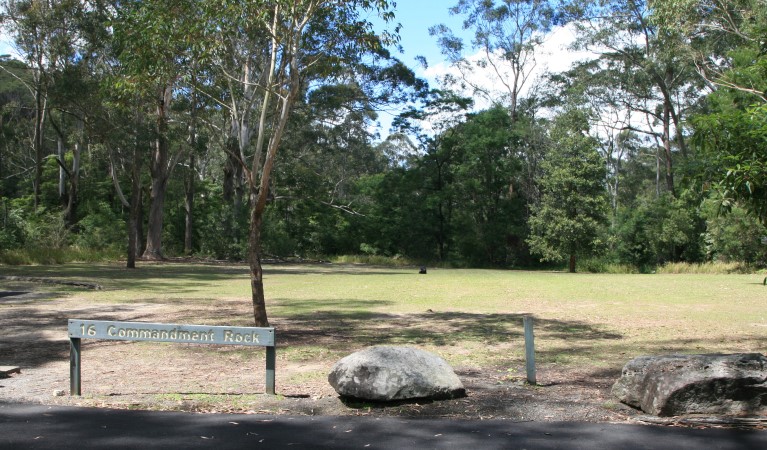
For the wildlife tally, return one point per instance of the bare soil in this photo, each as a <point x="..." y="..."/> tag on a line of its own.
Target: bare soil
<point x="33" y="336"/>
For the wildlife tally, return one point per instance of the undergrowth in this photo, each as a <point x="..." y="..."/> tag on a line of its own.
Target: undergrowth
<point x="49" y="256"/>
<point x="713" y="268"/>
<point x="374" y="260"/>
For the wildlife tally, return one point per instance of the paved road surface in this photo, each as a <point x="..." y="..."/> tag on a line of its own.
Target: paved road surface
<point x="35" y="426"/>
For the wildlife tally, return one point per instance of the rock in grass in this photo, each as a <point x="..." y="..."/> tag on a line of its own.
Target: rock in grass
<point x="386" y="373"/>
<point x="674" y="385"/>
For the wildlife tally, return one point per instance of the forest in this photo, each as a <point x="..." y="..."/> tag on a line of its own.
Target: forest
<point x="242" y="130"/>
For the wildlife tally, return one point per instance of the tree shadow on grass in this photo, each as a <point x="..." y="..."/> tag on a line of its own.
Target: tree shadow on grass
<point x="183" y="276"/>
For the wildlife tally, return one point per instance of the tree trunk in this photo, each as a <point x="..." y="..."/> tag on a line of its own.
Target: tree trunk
<point x="134" y="220"/>
<point x="40" y="106"/>
<point x="667" y="148"/>
<point x="62" y="173"/>
<point x="572" y="263"/>
<point x="189" y="207"/>
<point x="153" y="249"/>
<point x="256" y="272"/>
<point x="71" y="212"/>
<point x="160" y="173"/>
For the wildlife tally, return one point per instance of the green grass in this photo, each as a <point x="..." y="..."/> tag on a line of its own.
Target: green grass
<point x="471" y="317"/>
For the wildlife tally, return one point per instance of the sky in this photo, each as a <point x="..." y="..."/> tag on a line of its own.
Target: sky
<point x="416" y="17"/>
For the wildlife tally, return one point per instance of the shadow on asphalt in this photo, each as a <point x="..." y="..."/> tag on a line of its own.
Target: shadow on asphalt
<point x="27" y="426"/>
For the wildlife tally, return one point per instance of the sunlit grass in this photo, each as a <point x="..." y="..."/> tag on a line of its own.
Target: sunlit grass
<point x="472" y="317"/>
<point x="715" y="268"/>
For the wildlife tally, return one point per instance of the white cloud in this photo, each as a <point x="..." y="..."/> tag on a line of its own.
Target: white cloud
<point x="552" y="56"/>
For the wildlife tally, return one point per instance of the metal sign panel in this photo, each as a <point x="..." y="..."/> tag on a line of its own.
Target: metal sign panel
<point x="164" y="332"/>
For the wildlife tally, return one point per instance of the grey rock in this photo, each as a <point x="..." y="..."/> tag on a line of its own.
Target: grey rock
<point x="386" y="373"/>
<point x="674" y="385"/>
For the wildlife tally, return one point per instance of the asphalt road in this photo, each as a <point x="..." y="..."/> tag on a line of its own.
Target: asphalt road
<point x="35" y="426"/>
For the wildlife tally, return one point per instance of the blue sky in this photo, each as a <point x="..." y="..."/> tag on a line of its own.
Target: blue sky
<point x="416" y="16"/>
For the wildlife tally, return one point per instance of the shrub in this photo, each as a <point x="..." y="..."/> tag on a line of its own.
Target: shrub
<point x="734" y="237"/>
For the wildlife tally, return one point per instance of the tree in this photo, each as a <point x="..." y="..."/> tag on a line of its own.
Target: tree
<point x="573" y="206"/>
<point x="603" y="95"/>
<point x="443" y="112"/>
<point x="301" y="38"/>
<point x="157" y="46"/>
<point x="726" y="40"/>
<point x="45" y="33"/>
<point x="713" y="30"/>
<point x="484" y="169"/>
<point x="734" y="157"/>
<point x="656" y="230"/>
<point x="507" y="32"/>
<point x="648" y="63"/>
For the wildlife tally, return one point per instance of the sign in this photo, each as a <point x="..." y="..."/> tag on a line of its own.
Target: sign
<point x="161" y="332"/>
<point x="166" y="332"/>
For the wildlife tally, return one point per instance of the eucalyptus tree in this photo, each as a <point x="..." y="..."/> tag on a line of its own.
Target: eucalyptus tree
<point x="601" y="93"/>
<point x="45" y="34"/>
<point x="157" y="45"/>
<point x="487" y="210"/>
<point x="433" y="123"/>
<point x="653" y="69"/>
<point x="265" y="53"/>
<point x="16" y="119"/>
<point x="506" y="37"/>
<point x="506" y="33"/>
<point x="718" y="34"/>
<point x="726" y="41"/>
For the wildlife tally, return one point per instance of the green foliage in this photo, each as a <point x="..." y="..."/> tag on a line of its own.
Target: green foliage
<point x="573" y="206"/>
<point x="220" y="230"/>
<point x="463" y="195"/>
<point x="657" y="230"/>
<point x="484" y="171"/>
<point x="733" y="145"/>
<point x="278" y="240"/>
<point x="735" y="237"/>
<point x="101" y="229"/>
<point x="402" y="216"/>
<point x="46" y="230"/>
<point x="726" y="40"/>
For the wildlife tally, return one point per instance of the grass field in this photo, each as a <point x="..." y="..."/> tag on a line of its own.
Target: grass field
<point x="471" y="317"/>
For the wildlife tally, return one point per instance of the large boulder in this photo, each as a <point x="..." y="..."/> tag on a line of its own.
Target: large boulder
<point x="675" y="385"/>
<point x="385" y="373"/>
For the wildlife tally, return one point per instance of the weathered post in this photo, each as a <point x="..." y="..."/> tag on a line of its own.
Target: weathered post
<point x="529" y="349"/>
<point x="271" y="362"/>
<point x="74" y="366"/>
